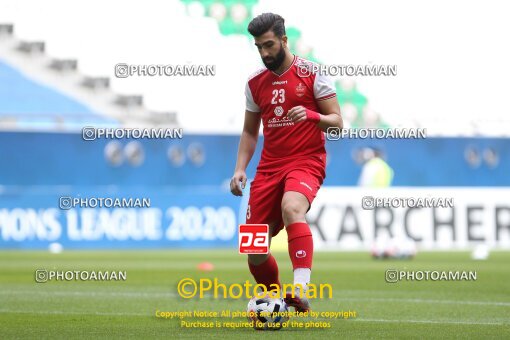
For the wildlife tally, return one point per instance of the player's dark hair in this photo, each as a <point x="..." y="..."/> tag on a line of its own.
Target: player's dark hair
<point x="266" y="22"/>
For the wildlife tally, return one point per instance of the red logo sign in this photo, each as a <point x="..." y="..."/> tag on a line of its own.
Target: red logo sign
<point x="253" y="239"/>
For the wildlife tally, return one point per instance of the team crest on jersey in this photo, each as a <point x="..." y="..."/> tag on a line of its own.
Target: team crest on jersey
<point x="300" y="90"/>
<point x="278" y="111"/>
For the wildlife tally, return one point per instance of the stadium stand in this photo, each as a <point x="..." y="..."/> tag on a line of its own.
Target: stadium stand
<point x="26" y="104"/>
<point x="213" y="32"/>
<point x="92" y="49"/>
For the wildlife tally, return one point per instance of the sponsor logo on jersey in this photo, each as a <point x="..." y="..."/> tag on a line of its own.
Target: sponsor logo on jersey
<point x="300" y="90"/>
<point x="278" y="111"/>
<point x="280" y="82"/>
<point x="279" y="122"/>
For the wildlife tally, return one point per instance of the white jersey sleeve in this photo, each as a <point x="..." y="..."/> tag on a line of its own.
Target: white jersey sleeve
<point x="323" y="87"/>
<point x="250" y="103"/>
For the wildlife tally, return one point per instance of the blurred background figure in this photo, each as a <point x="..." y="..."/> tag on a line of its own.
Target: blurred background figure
<point x="376" y="173"/>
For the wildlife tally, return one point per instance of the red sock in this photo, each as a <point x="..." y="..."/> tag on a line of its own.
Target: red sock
<point x="266" y="273"/>
<point x="300" y="245"/>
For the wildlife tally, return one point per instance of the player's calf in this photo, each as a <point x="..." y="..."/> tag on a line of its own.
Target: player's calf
<point x="265" y="271"/>
<point x="257" y="259"/>
<point x="301" y="254"/>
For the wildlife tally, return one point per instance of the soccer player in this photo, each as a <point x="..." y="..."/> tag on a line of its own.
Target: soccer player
<point x="295" y="106"/>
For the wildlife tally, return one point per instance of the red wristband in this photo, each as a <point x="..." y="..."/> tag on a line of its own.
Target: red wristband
<point x="313" y="116"/>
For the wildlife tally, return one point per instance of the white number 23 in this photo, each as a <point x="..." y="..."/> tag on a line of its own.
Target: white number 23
<point x="278" y="96"/>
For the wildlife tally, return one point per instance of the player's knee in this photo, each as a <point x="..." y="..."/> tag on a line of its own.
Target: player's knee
<point x="292" y="210"/>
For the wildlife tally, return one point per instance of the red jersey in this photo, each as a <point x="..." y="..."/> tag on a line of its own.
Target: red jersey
<point x="273" y="95"/>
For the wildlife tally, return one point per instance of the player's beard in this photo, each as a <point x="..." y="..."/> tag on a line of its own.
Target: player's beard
<point x="277" y="61"/>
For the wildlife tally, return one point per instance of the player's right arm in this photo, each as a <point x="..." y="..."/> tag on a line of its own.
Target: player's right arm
<point x="247" y="146"/>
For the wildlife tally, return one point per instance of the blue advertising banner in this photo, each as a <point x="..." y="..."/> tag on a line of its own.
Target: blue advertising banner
<point x="101" y="218"/>
<point x="186" y="181"/>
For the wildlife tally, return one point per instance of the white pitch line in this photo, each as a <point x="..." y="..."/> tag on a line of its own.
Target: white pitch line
<point x="56" y="312"/>
<point x="448" y="302"/>
<point x="434" y="322"/>
<point x="92" y="294"/>
<point x="337" y="296"/>
<point x="353" y="320"/>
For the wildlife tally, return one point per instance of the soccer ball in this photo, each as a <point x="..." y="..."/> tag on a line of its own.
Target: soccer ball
<point x="267" y="313"/>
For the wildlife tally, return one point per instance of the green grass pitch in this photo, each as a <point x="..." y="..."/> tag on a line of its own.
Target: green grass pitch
<point x="92" y="309"/>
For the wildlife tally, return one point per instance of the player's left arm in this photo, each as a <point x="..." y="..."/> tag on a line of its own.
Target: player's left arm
<point x="329" y="115"/>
